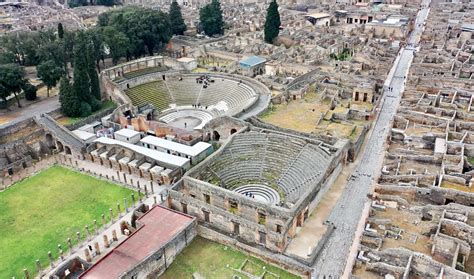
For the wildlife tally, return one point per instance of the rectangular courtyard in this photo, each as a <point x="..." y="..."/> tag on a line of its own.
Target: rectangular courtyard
<point x="206" y="259"/>
<point x="42" y="211"/>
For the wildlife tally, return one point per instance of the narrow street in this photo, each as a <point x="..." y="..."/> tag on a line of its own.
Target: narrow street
<point x="347" y="212"/>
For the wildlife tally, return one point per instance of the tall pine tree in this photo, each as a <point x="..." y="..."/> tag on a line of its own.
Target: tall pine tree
<point x="176" y="19"/>
<point x="272" y="23"/>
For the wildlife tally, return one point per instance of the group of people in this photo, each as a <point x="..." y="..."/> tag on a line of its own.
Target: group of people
<point x="204" y="79"/>
<point x="198" y="106"/>
<point x="249" y="194"/>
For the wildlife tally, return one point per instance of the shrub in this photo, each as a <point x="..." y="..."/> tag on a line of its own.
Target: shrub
<point x="30" y="91"/>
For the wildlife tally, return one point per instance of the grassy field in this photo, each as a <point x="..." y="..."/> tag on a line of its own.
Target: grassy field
<point x="213" y="260"/>
<point x="299" y="115"/>
<point x="42" y="211"/>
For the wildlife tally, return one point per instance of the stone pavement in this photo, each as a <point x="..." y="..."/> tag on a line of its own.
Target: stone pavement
<point x="347" y="212"/>
<point x="30" y="110"/>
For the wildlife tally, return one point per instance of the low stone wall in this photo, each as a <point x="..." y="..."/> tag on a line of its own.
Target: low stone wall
<point x="8" y="181"/>
<point x="273" y="258"/>
<point x="157" y="263"/>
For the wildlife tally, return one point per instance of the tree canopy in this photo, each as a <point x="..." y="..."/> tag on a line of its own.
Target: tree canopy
<point x="12" y="80"/>
<point x="176" y="19"/>
<point x="211" y="18"/>
<point x="272" y="23"/>
<point x="145" y="29"/>
<point x="50" y="73"/>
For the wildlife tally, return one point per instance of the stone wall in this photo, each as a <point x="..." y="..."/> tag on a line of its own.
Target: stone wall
<point x="224" y="220"/>
<point x="156" y="263"/>
<point x="280" y="260"/>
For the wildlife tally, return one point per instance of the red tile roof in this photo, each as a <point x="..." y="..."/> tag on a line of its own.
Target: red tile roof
<point x="159" y="226"/>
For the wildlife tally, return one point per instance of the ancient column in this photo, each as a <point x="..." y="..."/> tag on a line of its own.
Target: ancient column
<point x="69" y="243"/>
<point x="125" y="204"/>
<point x="114" y="235"/>
<point x="96" y="228"/>
<point x="38" y="266"/>
<point x="51" y="259"/>
<point x="87" y="255"/>
<point x="111" y="215"/>
<point x="97" y="248"/>
<point x="87" y="231"/>
<point x="106" y="241"/>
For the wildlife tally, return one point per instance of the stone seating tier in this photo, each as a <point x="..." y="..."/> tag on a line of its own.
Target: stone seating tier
<point x="287" y="163"/>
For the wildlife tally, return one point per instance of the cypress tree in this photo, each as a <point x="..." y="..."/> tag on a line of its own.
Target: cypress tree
<point x="81" y="86"/>
<point x="70" y="104"/>
<point x="272" y="22"/>
<point x="93" y="78"/>
<point x="60" y="31"/>
<point x="176" y="19"/>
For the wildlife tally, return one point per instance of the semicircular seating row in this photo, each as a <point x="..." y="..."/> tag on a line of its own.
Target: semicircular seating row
<point x="222" y="97"/>
<point x="275" y="160"/>
<point x="260" y="192"/>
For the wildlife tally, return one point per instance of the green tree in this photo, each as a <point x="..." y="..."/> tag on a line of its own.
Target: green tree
<point x="50" y="73"/>
<point x="12" y="80"/>
<point x="93" y="77"/>
<point x="81" y="82"/>
<point x="272" y="23"/>
<point x="106" y="2"/>
<point x="60" y="31"/>
<point x="176" y="19"/>
<point x="70" y="104"/>
<point x="97" y="51"/>
<point x="211" y="18"/>
<point x="7" y="57"/>
<point x="145" y="29"/>
<point x="116" y="42"/>
<point x="30" y="91"/>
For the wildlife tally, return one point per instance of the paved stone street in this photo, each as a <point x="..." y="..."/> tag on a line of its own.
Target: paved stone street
<point x="347" y="212"/>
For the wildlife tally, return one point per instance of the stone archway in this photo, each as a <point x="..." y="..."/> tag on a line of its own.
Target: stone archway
<point x="67" y="149"/>
<point x="216" y="136"/>
<point x="233" y="131"/>
<point x="50" y="141"/>
<point x="59" y="146"/>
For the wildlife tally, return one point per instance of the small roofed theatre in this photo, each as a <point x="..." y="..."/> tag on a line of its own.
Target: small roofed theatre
<point x="252" y="66"/>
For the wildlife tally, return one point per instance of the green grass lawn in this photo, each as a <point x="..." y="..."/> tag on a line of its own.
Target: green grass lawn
<point x="42" y="211"/>
<point x="213" y="260"/>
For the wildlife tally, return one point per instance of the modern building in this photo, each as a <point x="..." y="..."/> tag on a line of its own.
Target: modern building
<point x="127" y="135"/>
<point x="253" y="65"/>
<point x="195" y="153"/>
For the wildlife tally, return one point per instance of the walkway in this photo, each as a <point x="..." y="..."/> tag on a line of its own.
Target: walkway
<point x="29" y="110"/>
<point x="59" y="131"/>
<point x="347" y="212"/>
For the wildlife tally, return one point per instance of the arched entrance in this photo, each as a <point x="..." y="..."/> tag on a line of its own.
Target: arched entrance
<point x="68" y="150"/>
<point x="50" y="141"/>
<point x="216" y="136"/>
<point x="59" y="146"/>
<point x="233" y="131"/>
